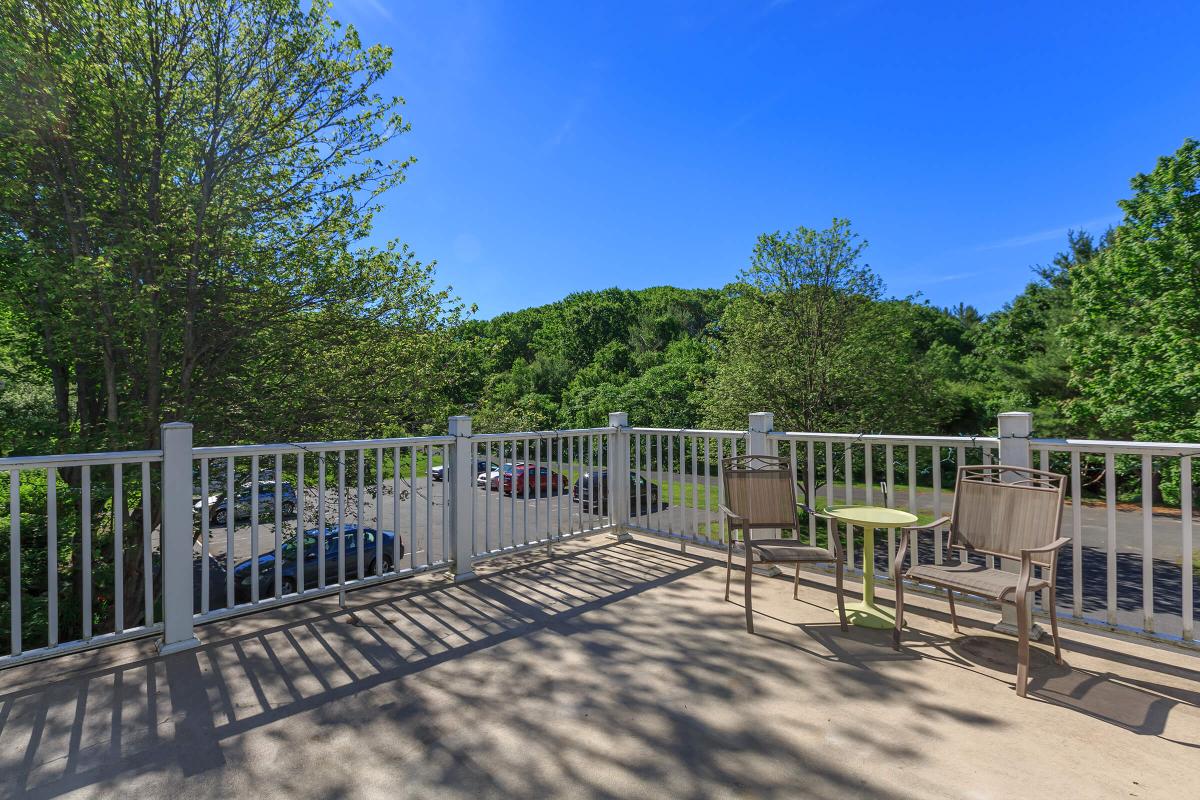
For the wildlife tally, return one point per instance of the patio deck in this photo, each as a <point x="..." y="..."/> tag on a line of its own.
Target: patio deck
<point x="610" y="670"/>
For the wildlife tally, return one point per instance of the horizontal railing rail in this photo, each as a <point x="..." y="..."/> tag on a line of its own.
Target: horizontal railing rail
<point x="105" y="547"/>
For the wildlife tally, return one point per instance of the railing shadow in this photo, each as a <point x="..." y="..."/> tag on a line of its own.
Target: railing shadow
<point x="526" y="643"/>
<point x="612" y="670"/>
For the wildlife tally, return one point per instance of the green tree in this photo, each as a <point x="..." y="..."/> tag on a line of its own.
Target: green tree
<point x="184" y="189"/>
<point x="807" y="335"/>
<point x="1134" y="341"/>
<point x="1020" y="358"/>
<point x="186" y="184"/>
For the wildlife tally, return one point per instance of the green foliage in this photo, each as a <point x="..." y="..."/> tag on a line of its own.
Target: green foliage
<point x="185" y="187"/>
<point x="1134" y="340"/>
<point x="572" y="362"/>
<point x="808" y="336"/>
<point x="1019" y="360"/>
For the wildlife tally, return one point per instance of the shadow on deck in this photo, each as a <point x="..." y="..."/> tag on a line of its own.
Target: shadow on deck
<point x="611" y="670"/>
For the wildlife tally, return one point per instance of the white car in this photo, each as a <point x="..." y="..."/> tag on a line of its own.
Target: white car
<point x="492" y="473"/>
<point x="438" y="473"/>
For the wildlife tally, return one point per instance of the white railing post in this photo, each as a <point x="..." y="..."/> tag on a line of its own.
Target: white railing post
<point x="618" y="474"/>
<point x="176" y="539"/>
<point x="460" y="483"/>
<point x="1015" y="429"/>
<point x="761" y="423"/>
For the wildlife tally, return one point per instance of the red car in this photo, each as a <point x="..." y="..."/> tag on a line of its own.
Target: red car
<point x="519" y="479"/>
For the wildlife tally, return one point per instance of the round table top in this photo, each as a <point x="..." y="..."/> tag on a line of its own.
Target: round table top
<point x="875" y="516"/>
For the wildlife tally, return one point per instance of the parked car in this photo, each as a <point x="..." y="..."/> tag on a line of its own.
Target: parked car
<point x="438" y="473"/>
<point x="526" y="480"/>
<point x="218" y="507"/>
<point x="379" y="545"/>
<point x="591" y="490"/>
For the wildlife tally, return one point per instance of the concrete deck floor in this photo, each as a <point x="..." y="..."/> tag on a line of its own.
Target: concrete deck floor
<point x="611" y="670"/>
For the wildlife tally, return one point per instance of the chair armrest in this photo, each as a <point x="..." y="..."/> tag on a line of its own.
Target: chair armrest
<point x="908" y="536"/>
<point x="733" y="518"/>
<point x="1046" y="548"/>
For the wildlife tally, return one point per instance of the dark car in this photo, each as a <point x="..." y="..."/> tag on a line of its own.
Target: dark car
<point x="591" y="490"/>
<point x="218" y="507"/>
<point x="381" y="545"/>
<point x="438" y="473"/>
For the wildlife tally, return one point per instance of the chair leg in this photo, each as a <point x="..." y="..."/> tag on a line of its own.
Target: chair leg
<point x="837" y="572"/>
<point x="1022" y="644"/>
<point x="796" y="583"/>
<point x="749" y="607"/>
<point x="1054" y="627"/>
<point x="728" y="566"/>
<point x="899" y="614"/>
<point x="953" y="616"/>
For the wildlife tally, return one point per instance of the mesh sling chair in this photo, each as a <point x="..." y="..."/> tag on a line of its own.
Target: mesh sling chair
<point x="1012" y="512"/>
<point x="760" y="493"/>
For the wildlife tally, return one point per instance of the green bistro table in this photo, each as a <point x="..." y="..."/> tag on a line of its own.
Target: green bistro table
<point x="866" y="614"/>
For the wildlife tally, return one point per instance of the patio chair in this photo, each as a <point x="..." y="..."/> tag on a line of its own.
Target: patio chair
<point x="760" y="493"/>
<point x="1010" y="512"/>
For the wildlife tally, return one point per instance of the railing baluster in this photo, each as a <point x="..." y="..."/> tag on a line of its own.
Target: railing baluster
<point x="254" y="511"/>
<point x="936" y="455"/>
<point x="118" y="522"/>
<point x="204" y="534"/>
<point x="831" y="526"/>
<point x="1110" y="501"/>
<point x="726" y="534"/>
<point x="278" y="570"/>
<point x="1188" y="559"/>
<point x="525" y="464"/>
<point x="230" y="515"/>
<point x="467" y="515"/>
<point x="147" y="559"/>
<point x="537" y="488"/>
<point x="890" y="500"/>
<point x="848" y="459"/>
<point x="85" y="492"/>
<point x="695" y="529"/>
<point x="487" y="497"/>
<point x="379" y="509"/>
<point x="14" y="560"/>
<point x="428" y="507"/>
<point x="301" y="573"/>
<point x="321" y="524"/>
<point x="798" y="534"/>
<point x="360" y="538"/>
<point x="1147" y="543"/>
<point x="52" y="554"/>
<point x="412" y="505"/>
<point x="341" y="521"/>
<point x="708" y="489"/>
<point x="398" y="539"/>
<point x="810" y="493"/>
<point x="1076" y="539"/>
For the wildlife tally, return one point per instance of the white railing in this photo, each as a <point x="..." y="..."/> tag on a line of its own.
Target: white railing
<point x="218" y="531"/>
<point x="1148" y="583"/>
<point x="75" y="499"/>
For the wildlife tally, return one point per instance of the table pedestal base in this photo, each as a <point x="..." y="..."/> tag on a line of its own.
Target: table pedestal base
<point x="868" y="615"/>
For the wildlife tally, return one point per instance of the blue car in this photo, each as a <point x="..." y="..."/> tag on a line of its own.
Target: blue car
<point x="381" y="545"/>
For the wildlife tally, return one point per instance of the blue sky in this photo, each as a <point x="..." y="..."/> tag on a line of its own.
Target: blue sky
<point x="565" y="146"/>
